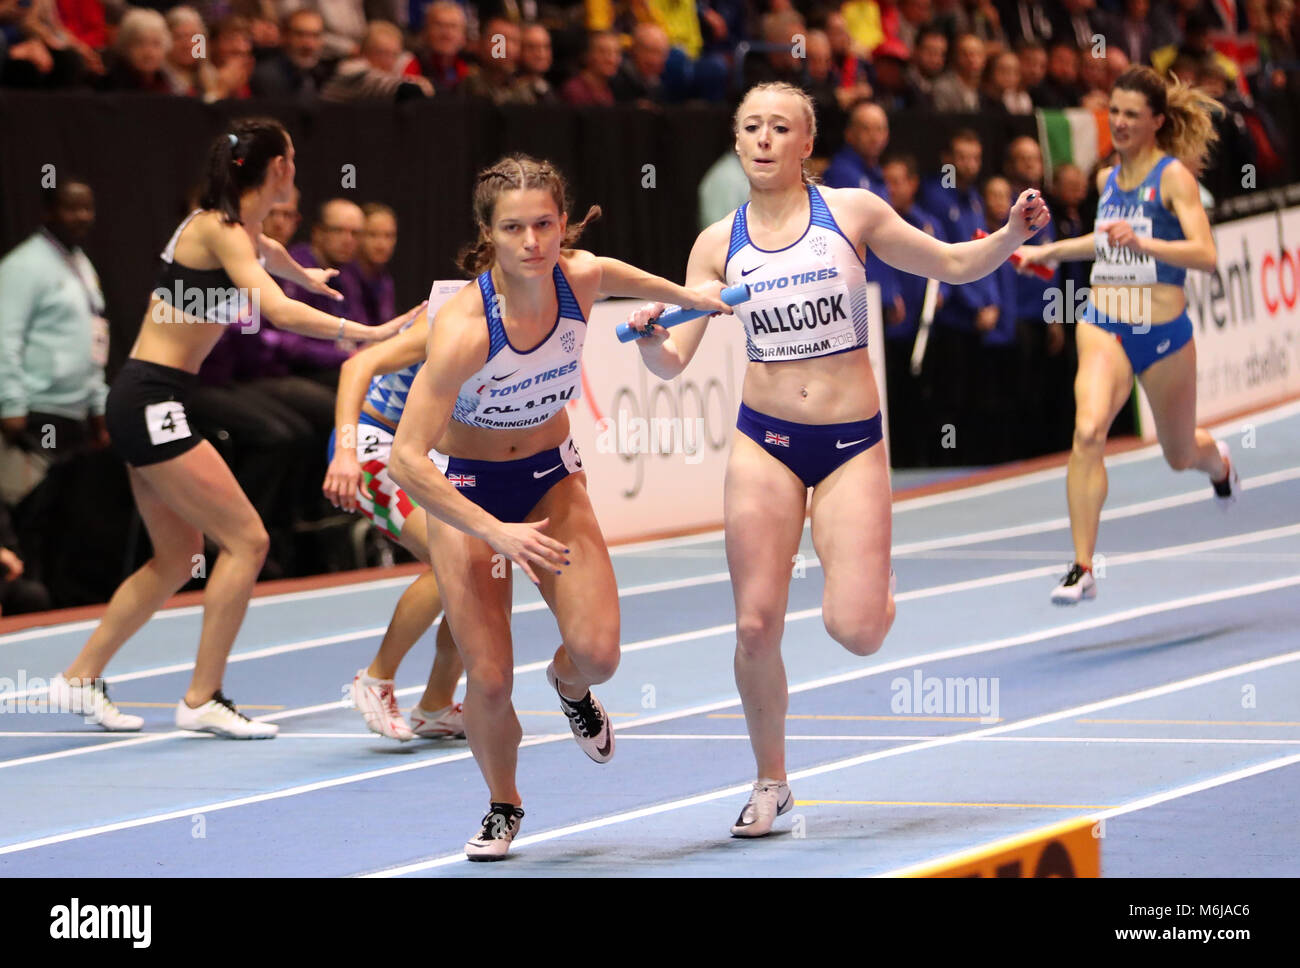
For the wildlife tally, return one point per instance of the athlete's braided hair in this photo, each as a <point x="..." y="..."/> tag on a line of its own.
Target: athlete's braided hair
<point x="515" y="172"/>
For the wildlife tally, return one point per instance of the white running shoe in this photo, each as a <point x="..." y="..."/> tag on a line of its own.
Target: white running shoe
<point x="1077" y="585"/>
<point x="91" y="700"/>
<point x="1226" y="490"/>
<point x="769" y="800"/>
<point x="588" y="720"/>
<point x="219" y="716"/>
<point x="445" y="723"/>
<point x="378" y="704"/>
<point x="499" y="829"/>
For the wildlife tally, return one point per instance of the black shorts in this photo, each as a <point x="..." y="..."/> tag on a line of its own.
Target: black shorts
<point x="145" y="413"/>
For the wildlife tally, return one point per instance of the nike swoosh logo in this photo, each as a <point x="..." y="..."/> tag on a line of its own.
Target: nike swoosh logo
<point x="609" y="743"/>
<point x="782" y="807"/>
<point x="479" y="846"/>
<point x="507" y="376"/>
<point x="745" y="272"/>
<point x="541" y="474"/>
<point x="840" y="446"/>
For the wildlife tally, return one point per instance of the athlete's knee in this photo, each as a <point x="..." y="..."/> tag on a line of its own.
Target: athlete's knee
<point x="862" y="634"/>
<point x="1089" y="434"/>
<point x="253" y="542"/>
<point x="759" y="632"/>
<point x="181" y="561"/>
<point x="596" y="654"/>
<point x="490" y="683"/>
<point x="1180" y="458"/>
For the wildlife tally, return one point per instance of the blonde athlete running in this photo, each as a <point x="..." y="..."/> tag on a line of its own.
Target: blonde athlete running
<point x="810" y="411"/>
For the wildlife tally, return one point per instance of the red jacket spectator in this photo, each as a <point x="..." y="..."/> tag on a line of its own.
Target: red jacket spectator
<point x="85" y="20"/>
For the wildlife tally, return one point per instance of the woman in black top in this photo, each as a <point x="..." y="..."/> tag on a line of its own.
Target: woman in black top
<point x="215" y="272"/>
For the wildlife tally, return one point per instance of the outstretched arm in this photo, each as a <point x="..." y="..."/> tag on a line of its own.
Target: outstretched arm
<point x="905" y="247"/>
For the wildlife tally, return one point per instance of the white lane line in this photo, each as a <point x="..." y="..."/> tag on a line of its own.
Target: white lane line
<point x="837" y="765"/>
<point x="886" y="737"/>
<point x="1175" y="605"/>
<point x="799" y="615"/>
<point x="1149" y="801"/>
<point x="1122" y="558"/>
<point x="906" y="504"/>
<point x="1111" y="514"/>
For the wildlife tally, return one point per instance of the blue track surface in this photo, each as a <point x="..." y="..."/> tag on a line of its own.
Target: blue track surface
<point x="1184" y="671"/>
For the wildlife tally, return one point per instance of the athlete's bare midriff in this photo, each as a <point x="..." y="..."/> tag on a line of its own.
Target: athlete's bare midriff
<point x="1154" y="305"/>
<point x="825" y="390"/>
<point x="479" y="443"/>
<point x="169" y="337"/>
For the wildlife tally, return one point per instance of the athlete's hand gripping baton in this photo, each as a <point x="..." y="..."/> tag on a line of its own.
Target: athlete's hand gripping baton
<point x="672" y="317"/>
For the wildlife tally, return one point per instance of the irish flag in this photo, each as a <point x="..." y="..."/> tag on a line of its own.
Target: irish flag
<point x="1072" y="136"/>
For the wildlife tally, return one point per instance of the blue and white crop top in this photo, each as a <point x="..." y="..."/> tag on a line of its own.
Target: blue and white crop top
<point x="524" y="388"/>
<point x="207" y="294"/>
<point x="1143" y="209"/>
<point x="387" y="393"/>
<point x="806" y="300"/>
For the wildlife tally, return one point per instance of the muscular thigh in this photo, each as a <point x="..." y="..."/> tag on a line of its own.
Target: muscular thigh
<point x="584" y="598"/>
<point x="200" y="488"/>
<point x="1170" y="386"/>
<point x="852" y="520"/>
<point x="764" y="508"/>
<point x="1104" y="378"/>
<point x="477" y="594"/>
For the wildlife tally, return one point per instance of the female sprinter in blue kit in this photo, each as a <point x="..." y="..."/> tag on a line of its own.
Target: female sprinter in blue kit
<point x="503" y="360"/>
<point x="810" y="411"/>
<point x="1151" y="228"/>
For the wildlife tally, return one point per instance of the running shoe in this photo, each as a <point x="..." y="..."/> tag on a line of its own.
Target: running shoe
<point x="445" y="723"/>
<point x="499" y="829"/>
<point x="769" y="799"/>
<point x="1226" y="490"/>
<point x="91" y="700"/>
<point x="219" y="716"/>
<point x="588" y="720"/>
<point x="378" y="705"/>
<point x="1077" y="585"/>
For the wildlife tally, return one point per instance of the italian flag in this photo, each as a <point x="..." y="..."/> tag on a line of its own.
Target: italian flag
<point x="1072" y="136"/>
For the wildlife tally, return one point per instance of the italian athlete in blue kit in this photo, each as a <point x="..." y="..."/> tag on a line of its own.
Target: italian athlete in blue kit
<point x="1151" y="228"/>
<point x="810" y="411"/>
<point x="503" y="360"/>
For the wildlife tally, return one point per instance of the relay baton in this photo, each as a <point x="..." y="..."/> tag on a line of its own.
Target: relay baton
<point x="732" y="297"/>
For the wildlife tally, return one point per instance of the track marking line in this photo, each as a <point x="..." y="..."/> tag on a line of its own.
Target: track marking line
<point x="1100" y="621"/>
<point x="1131" y="807"/>
<point x="843" y="764"/>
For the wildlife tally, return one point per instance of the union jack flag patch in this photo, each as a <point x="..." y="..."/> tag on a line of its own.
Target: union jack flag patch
<point x="463" y="480"/>
<point x="780" y="440"/>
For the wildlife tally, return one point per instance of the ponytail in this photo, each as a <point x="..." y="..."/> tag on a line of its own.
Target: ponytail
<point x="237" y="162"/>
<point x="1188" y="131"/>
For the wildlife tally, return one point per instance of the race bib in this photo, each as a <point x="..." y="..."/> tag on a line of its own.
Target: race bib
<point x="373" y="444"/>
<point x="99" y="341"/>
<point x="1115" y="264"/>
<point x="166" y="422"/>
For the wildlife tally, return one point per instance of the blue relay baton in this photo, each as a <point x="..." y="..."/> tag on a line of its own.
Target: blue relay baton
<point x="732" y="297"/>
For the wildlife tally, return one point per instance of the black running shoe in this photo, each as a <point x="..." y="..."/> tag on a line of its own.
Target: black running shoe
<point x="1077" y="585"/>
<point x="499" y="828"/>
<point x="588" y="720"/>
